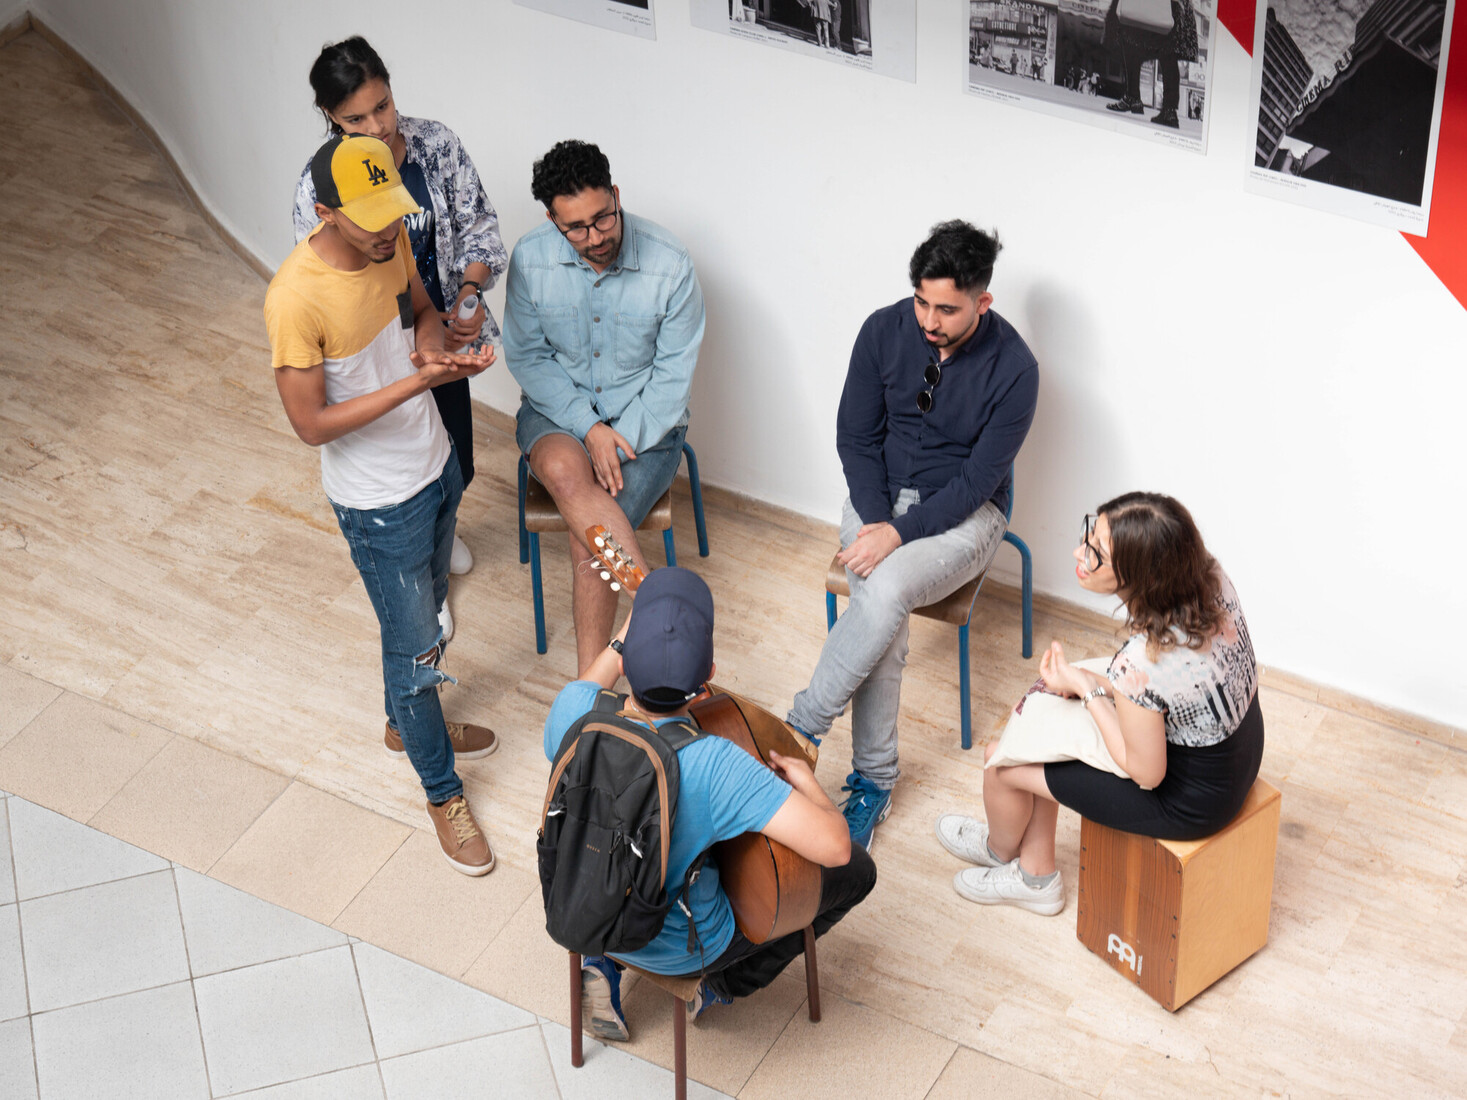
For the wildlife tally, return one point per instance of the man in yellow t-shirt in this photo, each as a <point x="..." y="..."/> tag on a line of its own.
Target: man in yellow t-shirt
<point x="356" y="346"/>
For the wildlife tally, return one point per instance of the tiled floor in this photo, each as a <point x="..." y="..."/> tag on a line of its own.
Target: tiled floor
<point x="125" y="975"/>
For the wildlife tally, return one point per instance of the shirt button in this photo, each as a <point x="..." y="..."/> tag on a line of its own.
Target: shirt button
<point x="596" y="283"/>
<point x="596" y="319"/>
<point x="595" y="355"/>
<point x="598" y="389"/>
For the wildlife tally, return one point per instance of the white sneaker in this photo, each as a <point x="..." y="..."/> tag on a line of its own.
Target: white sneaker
<point x="445" y="620"/>
<point x="460" y="561"/>
<point x="1005" y="886"/>
<point x="966" y="838"/>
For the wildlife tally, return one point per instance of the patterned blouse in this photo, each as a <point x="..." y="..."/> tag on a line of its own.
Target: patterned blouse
<point x="467" y="227"/>
<point x="1202" y="693"/>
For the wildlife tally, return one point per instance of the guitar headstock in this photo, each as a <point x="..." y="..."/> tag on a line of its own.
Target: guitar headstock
<point x="616" y="565"/>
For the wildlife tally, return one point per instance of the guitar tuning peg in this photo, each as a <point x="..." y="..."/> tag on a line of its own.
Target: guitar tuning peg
<point x="615" y="586"/>
<point x="605" y="576"/>
<point x="600" y="543"/>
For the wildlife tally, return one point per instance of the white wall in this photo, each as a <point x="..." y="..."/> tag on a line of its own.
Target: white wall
<point x="1295" y="378"/>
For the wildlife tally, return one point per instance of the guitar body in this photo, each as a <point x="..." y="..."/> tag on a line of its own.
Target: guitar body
<point x="772" y="890"/>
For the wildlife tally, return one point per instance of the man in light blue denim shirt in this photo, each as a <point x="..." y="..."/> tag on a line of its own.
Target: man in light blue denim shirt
<point x="603" y="319"/>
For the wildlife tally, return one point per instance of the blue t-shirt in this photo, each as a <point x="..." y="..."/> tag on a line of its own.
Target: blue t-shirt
<point x="422" y="231"/>
<point x="722" y="793"/>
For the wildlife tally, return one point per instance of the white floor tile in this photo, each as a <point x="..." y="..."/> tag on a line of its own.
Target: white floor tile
<point x="17" y="1063"/>
<point x="227" y="928"/>
<point x="609" y="1072"/>
<point x="54" y="853"/>
<point x="142" y="1045"/>
<point x="279" y="1021"/>
<point x="511" y="1064"/>
<point x="7" y="868"/>
<point x="412" y="1008"/>
<point x="101" y="941"/>
<point x="12" y="966"/>
<point x="358" y="1083"/>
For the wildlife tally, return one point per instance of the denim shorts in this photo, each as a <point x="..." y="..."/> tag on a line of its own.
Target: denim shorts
<point x="644" y="479"/>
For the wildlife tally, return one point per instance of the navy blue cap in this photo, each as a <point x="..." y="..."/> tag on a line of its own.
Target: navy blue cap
<point x="668" y="653"/>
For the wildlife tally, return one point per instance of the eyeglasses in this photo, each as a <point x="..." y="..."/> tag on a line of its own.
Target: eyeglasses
<point x="1093" y="558"/>
<point x="932" y="376"/>
<point x="604" y="223"/>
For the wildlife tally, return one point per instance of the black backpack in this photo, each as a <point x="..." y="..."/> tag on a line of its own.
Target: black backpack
<point x="606" y="827"/>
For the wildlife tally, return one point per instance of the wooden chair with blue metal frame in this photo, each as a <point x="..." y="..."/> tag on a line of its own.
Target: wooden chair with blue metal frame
<point x="956" y="609"/>
<point x="539" y="515"/>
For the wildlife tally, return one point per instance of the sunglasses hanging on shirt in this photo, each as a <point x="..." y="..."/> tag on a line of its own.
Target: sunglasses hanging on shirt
<point x="932" y="376"/>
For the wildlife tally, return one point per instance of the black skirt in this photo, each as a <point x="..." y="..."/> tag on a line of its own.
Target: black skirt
<point x="1202" y="791"/>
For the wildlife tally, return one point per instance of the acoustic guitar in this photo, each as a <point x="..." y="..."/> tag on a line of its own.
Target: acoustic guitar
<point x="772" y="890"/>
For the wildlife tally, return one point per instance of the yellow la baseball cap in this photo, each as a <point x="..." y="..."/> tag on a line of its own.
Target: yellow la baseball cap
<point x="355" y="174"/>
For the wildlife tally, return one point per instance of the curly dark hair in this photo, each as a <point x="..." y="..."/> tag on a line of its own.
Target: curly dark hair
<point x="1168" y="580"/>
<point x="568" y="169"/>
<point x="340" y="69"/>
<point x="958" y="251"/>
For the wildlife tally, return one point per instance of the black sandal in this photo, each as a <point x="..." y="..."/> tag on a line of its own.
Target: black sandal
<point x="1126" y="105"/>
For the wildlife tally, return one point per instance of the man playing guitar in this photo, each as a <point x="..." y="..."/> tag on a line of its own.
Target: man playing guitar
<point x="665" y="650"/>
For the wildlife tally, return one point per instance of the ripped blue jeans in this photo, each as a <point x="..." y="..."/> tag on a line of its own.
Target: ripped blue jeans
<point x="402" y="552"/>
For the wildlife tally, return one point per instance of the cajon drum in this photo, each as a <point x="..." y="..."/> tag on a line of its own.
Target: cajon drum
<point x="1174" y="916"/>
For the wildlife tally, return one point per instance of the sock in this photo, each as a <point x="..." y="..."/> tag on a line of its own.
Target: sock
<point x="1037" y="882"/>
<point x="991" y="855"/>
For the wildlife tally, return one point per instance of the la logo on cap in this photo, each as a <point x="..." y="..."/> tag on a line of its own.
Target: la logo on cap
<point x="375" y="174"/>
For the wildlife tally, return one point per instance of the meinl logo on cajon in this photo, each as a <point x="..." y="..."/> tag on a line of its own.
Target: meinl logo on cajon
<point x="1118" y="947"/>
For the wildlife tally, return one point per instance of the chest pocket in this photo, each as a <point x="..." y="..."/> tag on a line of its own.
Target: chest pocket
<point x="562" y="327"/>
<point x="636" y="340"/>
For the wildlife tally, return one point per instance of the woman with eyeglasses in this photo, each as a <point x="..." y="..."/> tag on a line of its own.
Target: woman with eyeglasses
<point x="1177" y="709"/>
<point x="455" y="238"/>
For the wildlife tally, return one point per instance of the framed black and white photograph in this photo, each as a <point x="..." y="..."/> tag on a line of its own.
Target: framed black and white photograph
<point x="632" y="17"/>
<point x="879" y="36"/>
<point x="1141" y="67"/>
<point x="1348" y="98"/>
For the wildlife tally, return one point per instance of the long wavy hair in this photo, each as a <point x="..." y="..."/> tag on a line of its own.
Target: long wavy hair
<point x="1168" y="580"/>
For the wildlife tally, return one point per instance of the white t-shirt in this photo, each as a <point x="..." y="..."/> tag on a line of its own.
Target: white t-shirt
<point x="359" y="324"/>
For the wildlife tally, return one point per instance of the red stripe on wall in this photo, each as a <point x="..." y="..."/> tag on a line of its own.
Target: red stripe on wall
<point x="1444" y="248"/>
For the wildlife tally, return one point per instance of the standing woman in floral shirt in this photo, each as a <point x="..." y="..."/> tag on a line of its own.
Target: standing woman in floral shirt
<point x="455" y="238"/>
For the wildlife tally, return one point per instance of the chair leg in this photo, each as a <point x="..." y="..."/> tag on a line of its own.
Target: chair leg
<point x="575" y="998"/>
<point x="696" y="486"/>
<point x="668" y="547"/>
<point x="679" y="1049"/>
<point x="829" y="612"/>
<point x="963" y="686"/>
<point x="538" y="589"/>
<point x="1026" y="590"/>
<point x="812" y="976"/>
<point x="524" y="473"/>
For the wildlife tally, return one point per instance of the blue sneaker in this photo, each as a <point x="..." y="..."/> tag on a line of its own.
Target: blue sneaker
<point x="705" y="996"/>
<point x="810" y="737"/>
<point x="601" y="999"/>
<point x="865" y="807"/>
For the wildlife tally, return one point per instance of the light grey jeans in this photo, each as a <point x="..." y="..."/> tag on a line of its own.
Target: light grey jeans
<point x="866" y="651"/>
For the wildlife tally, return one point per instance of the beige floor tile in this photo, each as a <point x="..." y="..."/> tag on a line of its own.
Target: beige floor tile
<point x="190" y="803"/>
<point x="524" y="966"/>
<point x="420" y="908"/>
<point x="853" y="1050"/>
<point x="310" y="852"/>
<point x="25" y="697"/>
<point x="76" y="755"/>
<point x="728" y="1043"/>
<point x="973" y="1076"/>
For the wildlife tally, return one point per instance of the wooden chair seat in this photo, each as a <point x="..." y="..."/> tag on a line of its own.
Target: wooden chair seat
<point x="953" y="609"/>
<point x="542" y="517"/>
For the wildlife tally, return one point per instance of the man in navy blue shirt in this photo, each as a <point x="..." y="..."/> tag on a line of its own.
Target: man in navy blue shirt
<point x="938" y="398"/>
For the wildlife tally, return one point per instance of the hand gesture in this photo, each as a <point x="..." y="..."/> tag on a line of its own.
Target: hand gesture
<point x="792" y="770"/>
<point x="1060" y="676"/>
<point x="458" y="333"/>
<point x="437" y="367"/>
<point x="874" y="541"/>
<point x="601" y="443"/>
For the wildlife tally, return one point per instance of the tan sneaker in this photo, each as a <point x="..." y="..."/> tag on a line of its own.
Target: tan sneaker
<point x="463" y="844"/>
<point x="469" y="742"/>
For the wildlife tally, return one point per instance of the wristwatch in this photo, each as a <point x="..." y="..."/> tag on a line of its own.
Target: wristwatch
<point x="614" y="644"/>
<point x="1092" y="693"/>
